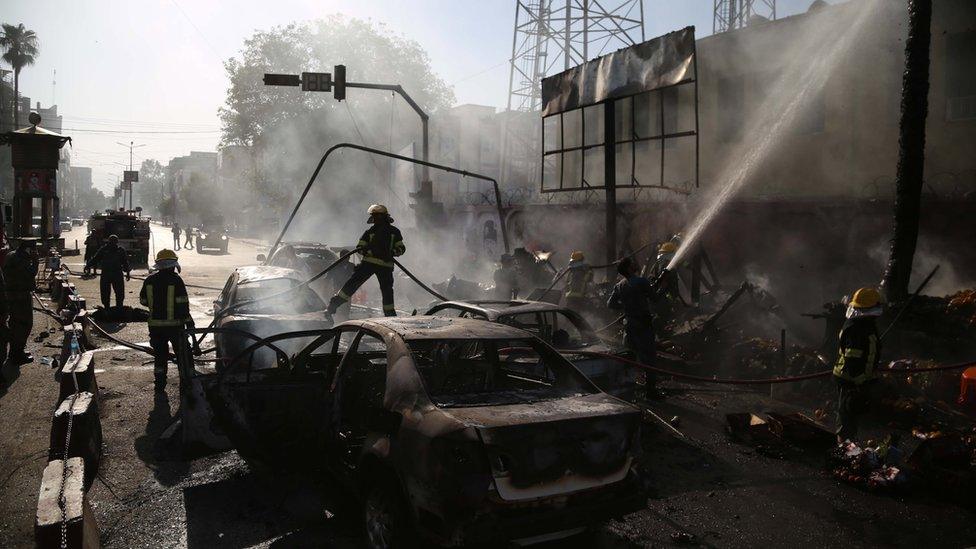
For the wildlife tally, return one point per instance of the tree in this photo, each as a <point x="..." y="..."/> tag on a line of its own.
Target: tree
<point x="20" y="50"/>
<point x="149" y="188"/>
<point x="911" y="151"/>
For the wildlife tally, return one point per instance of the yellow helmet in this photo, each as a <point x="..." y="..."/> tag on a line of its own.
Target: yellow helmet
<point x="667" y="248"/>
<point x="377" y="209"/>
<point x="577" y="256"/>
<point x="865" y="298"/>
<point x="165" y="254"/>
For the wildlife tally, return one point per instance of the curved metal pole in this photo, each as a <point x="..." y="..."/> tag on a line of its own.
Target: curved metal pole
<point x="318" y="168"/>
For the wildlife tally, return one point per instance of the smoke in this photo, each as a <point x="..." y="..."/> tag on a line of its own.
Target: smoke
<point x="817" y="50"/>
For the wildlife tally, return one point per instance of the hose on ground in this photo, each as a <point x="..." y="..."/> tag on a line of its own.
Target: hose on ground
<point x="419" y="283"/>
<point x="767" y="381"/>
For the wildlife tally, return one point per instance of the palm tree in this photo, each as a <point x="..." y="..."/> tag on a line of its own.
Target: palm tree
<point x="20" y="50"/>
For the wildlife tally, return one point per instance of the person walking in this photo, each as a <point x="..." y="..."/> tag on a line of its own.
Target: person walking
<point x="19" y="272"/>
<point x="378" y="246"/>
<point x="189" y="238"/>
<point x="114" y="263"/>
<point x="176" y="235"/>
<point x="164" y="294"/>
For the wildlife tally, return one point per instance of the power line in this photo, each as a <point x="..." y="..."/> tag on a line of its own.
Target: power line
<point x="90" y="130"/>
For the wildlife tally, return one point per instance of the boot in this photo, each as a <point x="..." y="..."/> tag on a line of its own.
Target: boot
<point x="20" y="357"/>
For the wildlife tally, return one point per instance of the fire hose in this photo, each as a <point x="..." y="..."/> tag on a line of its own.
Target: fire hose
<point x="767" y="381"/>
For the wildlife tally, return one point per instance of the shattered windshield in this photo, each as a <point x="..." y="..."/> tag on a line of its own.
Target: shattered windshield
<point x="301" y="300"/>
<point x="488" y="372"/>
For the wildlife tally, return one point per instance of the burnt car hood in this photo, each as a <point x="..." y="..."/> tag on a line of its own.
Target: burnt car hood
<point x="313" y="317"/>
<point x="556" y="447"/>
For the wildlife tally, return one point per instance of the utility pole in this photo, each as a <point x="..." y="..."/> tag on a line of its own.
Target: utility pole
<point x="131" y="146"/>
<point x="336" y="82"/>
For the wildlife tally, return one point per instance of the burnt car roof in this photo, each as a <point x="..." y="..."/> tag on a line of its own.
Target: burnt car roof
<point x="436" y="327"/>
<point x="493" y="309"/>
<point x="257" y="273"/>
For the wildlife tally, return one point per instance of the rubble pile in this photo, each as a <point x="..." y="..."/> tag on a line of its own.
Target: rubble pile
<point x="872" y="468"/>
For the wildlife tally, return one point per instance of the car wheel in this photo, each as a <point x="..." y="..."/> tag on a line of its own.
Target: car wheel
<point x="385" y="518"/>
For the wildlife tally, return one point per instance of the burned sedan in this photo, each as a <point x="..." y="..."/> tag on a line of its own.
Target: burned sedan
<point x="561" y="327"/>
<point x="453" y="431"/>
<point x="235" y="307"/>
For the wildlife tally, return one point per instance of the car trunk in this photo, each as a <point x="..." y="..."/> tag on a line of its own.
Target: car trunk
<point x="557" y="446"/>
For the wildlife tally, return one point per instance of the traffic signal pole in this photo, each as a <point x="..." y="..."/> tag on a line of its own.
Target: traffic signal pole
<point x="424" y="118"/>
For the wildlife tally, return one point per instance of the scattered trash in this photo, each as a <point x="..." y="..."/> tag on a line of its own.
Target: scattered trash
<point x="865" y="467"/>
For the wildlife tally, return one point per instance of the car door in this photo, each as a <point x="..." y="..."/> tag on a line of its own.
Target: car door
<point x="358" y="393"/>
<point x="276" y="414"/>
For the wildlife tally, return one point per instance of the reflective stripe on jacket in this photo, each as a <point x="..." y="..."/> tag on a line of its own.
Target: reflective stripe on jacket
<point x="578" y="279"/>
<point x="381" y="243"/>
<point x="165" y="295"/>
<point x="858" y="355"/>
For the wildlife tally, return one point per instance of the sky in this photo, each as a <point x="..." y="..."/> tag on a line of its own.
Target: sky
<point x="127" y="68"/>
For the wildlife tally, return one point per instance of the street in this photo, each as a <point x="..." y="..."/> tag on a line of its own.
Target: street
<point x="705" y="489"/>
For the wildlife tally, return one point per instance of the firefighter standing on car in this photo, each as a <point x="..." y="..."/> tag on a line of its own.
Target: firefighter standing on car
<point x="579" y="276"/>
<point x="378" y="246"/>
<point x="164" y="293"/>
<point x="857" y="361"/>
<point x="19" y="271"/>
<point x="633" y="296"/>
<point x="114" y="262"/>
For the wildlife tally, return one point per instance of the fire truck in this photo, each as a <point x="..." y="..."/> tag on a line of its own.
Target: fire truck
<point x="132" y="229"/>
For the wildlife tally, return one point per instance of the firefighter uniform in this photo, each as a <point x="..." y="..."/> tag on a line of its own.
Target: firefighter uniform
<point x="633" y="297"/>
<point x="114" y="262"/>
<point x="579" y="276"/>
<point x="164" y="293"/>
<point x="855" y="371"/>
<point x="19" y="271"/>
<point x="378" y="246"/>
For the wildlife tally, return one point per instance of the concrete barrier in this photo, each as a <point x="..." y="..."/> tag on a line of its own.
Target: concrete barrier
<point x="80" y="370"/>
<point x="80" y="529"/>
<point x="86" y="433"/>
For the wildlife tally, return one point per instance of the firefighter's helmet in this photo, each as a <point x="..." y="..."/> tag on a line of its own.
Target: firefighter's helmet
<point x="378" y="210"/>
<point x="166" y="254"/>
<point x="577" y="256"/>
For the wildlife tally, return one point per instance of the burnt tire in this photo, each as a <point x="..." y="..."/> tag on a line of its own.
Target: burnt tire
<point x="385" y="516"/>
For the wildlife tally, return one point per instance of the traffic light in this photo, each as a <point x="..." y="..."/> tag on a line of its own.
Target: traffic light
<point x="339" y="84"/>
<point x="316" y="81"/>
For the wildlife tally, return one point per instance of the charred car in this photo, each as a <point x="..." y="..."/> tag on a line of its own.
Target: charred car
<point x="310" y="257"/>
<point x="561" y="327"/>
<point x="449" y="430"/>
<point x="255" y="300"/>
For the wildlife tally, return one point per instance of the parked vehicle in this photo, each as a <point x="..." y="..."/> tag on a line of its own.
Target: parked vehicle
<point x="300" y="309"/>
<point x="561" y="327"/>
<point x="131" y="228"/>
<point x="449" y="430"/>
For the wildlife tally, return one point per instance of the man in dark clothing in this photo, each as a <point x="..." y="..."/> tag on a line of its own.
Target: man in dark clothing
<point x="91" y="246"/>
<point x="633" y="296"/>
<point x="19" y="271"/>
<point x="579" y="276"/>
<point x="506" y="279"/>
<point x="378" y="246"/>
<point x="164" y="293"/>
<point x="857" y="361"/>
<point x="176" y="235"/>
<point x="114" y="264"/>
<point x="189" y="238"/>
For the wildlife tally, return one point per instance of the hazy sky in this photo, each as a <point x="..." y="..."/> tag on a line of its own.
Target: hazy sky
<point x="156" y="65"/>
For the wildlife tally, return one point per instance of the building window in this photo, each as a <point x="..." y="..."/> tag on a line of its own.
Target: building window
<point x="960" y="76"/>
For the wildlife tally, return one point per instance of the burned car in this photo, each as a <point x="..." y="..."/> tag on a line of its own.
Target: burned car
<point x="561" y="327"/>
<point x="450" y="430"/>
<point x="300" y="309"/>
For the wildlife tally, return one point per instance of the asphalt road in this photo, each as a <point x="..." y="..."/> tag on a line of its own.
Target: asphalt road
<point x="707" y="490"/>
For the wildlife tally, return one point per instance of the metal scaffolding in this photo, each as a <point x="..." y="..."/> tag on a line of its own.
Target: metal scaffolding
<point x="559" y="34"/>
<point x="735" y="14"/>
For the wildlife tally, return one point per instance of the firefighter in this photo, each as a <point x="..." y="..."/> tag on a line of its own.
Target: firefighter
<point x="506" y="279"/>
<point x="19" y="271"/>
<point x="176" y="235"/>
<point x="855" y="371"/>
<point x="164" y="293"/>
<point x="114" y="264"/>
<point x="579" y="276"/>
<point x="378" y="246"/>
<point x="633" y="296"/>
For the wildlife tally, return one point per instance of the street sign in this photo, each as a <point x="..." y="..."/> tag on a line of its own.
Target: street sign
<point x="282" y="80"/>
<point x="126" y="185"/>
<point x="316" y="81"/>
<point x="130" y="176"/>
